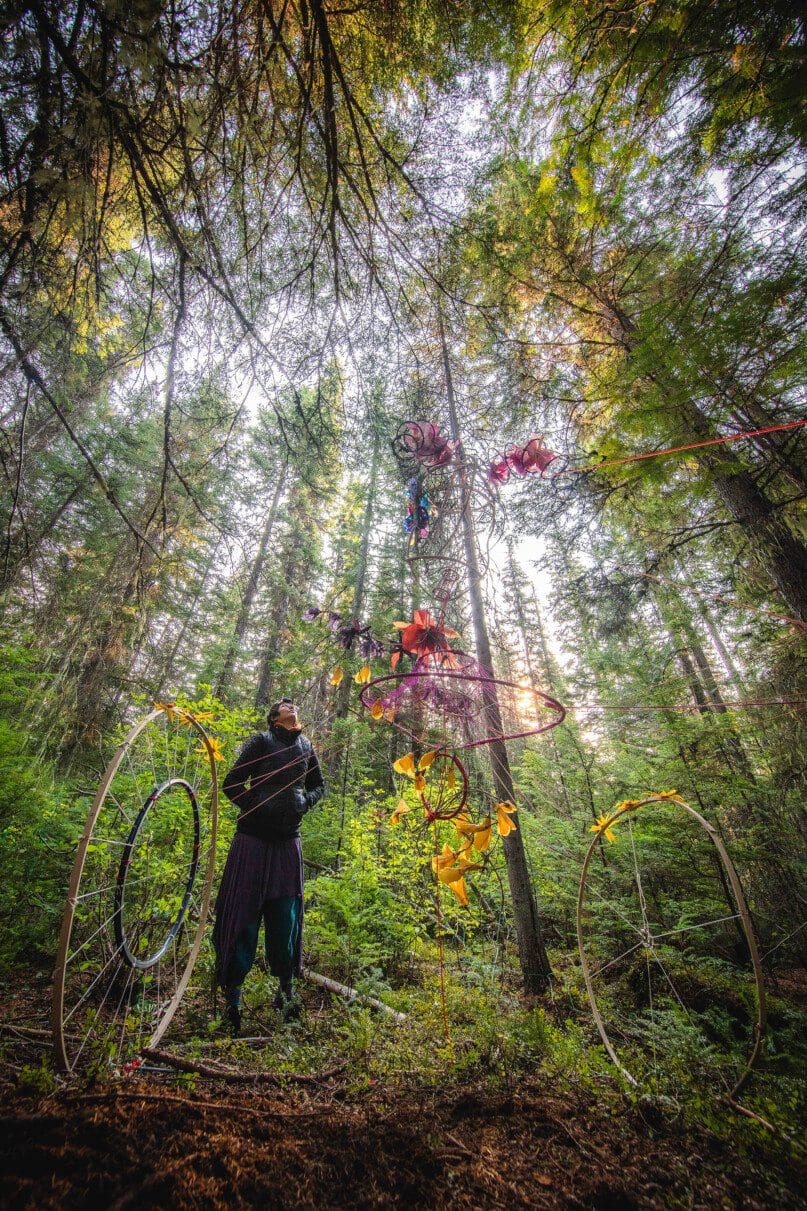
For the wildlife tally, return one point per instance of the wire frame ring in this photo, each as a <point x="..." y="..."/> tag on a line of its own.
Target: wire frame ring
<point x="432" y="801"/>
<point x="743" y="916"/>
<point x="451" y="676"/>
<point x="127" y="950"/>
<point x="113" y="929"/>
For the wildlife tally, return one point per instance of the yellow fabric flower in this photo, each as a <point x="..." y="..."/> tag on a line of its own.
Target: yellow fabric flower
<point x="480" y="834"/>
<point x="603" y="826"/>
<point x="215" y="749"/>
<point x="168" y="707"/>
<point x="673" y="795"/>
<point x="504" y="824"/>
<point x="426" y="760"/>
<point x="460" y="891"/>
<point x="400" y="811"/>
<point x="377" y="710"/>
<point x="628" y="805"/>
<point x="451" y="866"/>
<point x="482" y="837"/>
<point x="363" y="675"/>
<point x="337" y="675"/>
<point x="405" y="765"/>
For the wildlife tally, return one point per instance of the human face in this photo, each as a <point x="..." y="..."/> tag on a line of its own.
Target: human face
<point x="287" y="717"/>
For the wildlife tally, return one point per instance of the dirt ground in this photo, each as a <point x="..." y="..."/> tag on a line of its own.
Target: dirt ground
<point x="145" y="1143"/>
<point x="172" y="1140"/>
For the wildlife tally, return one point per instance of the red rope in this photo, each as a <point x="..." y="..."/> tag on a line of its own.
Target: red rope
<point x="743" y="605"/>
<point x="441" y="955"/>
<point x="713" y="441"/>
<point x="704" y="706"/>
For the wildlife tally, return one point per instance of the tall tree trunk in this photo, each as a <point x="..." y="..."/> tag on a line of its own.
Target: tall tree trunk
<point x="533" y="958"/>
<point x="359" y="584"/>
<point x="786" y="446"/>
<point x="521" y="615"/>
<point x="674" y="613"/>
<point x="167" y="665"/>
<point x="270" y="651"/>
<point x="782" y="555"/>
<point x="708" y="620"/>
<point x="250" y="589"/>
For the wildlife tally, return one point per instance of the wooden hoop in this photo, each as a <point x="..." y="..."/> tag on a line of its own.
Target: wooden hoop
<point x="744" y="917"/>
<point x="57" y="1002"/>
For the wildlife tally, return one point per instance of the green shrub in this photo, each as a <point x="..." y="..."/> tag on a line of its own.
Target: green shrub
<point x="353" y="925"/>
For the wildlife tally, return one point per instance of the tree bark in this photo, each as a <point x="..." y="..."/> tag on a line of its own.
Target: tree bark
<point x="251" y="588"/>
<point x="521" y="615"/>
<point x="780" y="552"/>
<point x="786" y="446"/>
<point x="534" y="961"/>
<point x="357" y="603"/>
<point x="783" y="556"/>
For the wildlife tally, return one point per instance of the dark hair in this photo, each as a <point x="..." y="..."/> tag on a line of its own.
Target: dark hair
<point x="275" y="708"/>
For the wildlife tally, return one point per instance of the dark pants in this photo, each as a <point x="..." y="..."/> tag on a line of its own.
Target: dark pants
<point x="281" y="923"/>
<point x="262" y="881"/>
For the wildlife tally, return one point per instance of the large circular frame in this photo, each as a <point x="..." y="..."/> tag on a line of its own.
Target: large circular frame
<point x="127" y="950"/>
<point x="652" y="946"/>
<point x="139" y="894"/>
<point x="391" y="685"/>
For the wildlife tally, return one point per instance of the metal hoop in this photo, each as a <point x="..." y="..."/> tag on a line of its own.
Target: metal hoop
<point x="450" y="760"/>
<point x="742" y="914"/>
<point x="123" y="870"/>
<point x="110" y="933"/>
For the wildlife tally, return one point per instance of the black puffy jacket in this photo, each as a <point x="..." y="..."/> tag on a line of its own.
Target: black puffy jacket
<point x="274" y="782"/>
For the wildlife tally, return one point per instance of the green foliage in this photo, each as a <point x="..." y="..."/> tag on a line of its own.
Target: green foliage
<point x="354" y="924"/>
<point x="39" y="824"/>
<point x="38" y="1078"/>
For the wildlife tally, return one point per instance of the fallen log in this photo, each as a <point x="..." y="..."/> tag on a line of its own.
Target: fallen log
<point x="351" y="994"/>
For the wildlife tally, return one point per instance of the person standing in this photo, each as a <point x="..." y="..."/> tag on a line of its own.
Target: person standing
<point x="276" y="779"/>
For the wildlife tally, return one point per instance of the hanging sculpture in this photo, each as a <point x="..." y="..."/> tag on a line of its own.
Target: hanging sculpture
<point x="532" y="458"/>
<point x="419" y="511"/>
<point x="423" y="442"/>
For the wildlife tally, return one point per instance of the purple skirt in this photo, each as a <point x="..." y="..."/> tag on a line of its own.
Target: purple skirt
<point x="255" y="871"/>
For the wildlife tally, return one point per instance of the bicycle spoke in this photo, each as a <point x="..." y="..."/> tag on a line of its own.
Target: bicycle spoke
<point x="167" y="853"/>
<point x="624" y="955"/>
<point x="698" y="925"/>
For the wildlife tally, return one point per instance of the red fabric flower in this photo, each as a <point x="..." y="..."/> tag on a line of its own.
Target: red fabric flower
<point x="429" y="446"/>
<point x="536" y="456"/>
<point x="514" y="458"/>
<point x="425" y="639"/>
<point x="498" y="472"/>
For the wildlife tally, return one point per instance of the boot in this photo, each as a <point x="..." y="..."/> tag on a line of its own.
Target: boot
<point x="285" y="1001"/>
<point x="232" y="1010"/>
<point x="233" y="1020"/>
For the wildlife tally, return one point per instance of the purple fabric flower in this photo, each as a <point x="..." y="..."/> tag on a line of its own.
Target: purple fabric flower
<point x="370" y="648"/>
<point x="311" y="613"/>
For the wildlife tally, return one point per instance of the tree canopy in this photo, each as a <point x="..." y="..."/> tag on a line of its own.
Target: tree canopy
<point x="242" y="246"/>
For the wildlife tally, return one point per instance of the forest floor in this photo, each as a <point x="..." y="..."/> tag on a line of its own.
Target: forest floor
<point x="338" y="1138"/>
<point x="141" y="1144"/>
